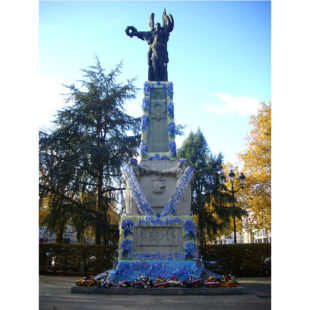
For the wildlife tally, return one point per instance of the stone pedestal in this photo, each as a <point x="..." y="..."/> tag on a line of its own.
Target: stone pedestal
<point x="158" y="234"/>
<point x="158" y="180"/>
<point x="157" y="124"/>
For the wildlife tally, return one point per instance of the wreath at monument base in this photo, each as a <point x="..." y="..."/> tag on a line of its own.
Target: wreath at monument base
<point x="160" y="282"/>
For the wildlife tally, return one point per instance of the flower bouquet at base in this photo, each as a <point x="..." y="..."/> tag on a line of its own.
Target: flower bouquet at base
<point x="106" y="283"/>
<point x="124" y="284"/>
<point x="191" y="282"/>
<point x="86" y="281"/>
<point x="160" y="282"/>
<point x="143" y="282"/>
<point x="173" y="282"/>
<point x="228" y="281"/>
<point x="212" y="281"/>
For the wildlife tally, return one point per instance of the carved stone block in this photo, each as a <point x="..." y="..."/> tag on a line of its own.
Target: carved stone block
<point x="157" y="139"/>
<point x="158" y="189"/>
<point x="158" y="239"/>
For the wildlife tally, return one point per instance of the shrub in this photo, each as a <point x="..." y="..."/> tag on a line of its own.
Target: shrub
<point x="75" y="257"/>
<point x="239" y="259"/>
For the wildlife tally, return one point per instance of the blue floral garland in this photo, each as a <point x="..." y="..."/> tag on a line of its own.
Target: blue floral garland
<point x="190" y="228"/>
<point x="147" y="88"/>
<point x="127" y="226"/>
<point x="158" y="156"/>
<point x="126" y="246"/>
<point x="140" y="199"/>
<point x="130" y="270"/>
<point x="171" y="129"/>
<point x="190" y="250"/>
<point x="136" y="191"/>
<point x="172" y="148"/>
<point x="144" y="122"/>
<point x="158" y="256"/>
<point x="170" y="206"/>
<point x="143" y="148"/>
<point x="170" y="89"/>
<point x="146" y="106"/>
<point x="152" y="221"/>
<point x="170" y="109"/>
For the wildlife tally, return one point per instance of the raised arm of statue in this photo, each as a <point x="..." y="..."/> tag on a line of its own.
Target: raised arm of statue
<point x="167" y="22"/>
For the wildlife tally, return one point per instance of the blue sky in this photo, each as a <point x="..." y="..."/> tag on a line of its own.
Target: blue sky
<point x="219" y="56"/>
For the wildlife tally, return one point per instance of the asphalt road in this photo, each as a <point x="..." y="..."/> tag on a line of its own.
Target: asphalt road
<point x="55" y="294"/>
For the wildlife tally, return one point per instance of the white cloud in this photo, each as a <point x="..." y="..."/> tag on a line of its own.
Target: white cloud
<point x="242" y="105"/>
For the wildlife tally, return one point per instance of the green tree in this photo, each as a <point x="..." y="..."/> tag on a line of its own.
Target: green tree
<point x="80" y="160"/>
<point x="210" y="205"/>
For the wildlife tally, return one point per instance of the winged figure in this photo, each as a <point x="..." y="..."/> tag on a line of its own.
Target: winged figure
<point x="157" y="38"/>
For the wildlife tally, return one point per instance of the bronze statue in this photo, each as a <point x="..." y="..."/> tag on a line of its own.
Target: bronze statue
<point x="157" y="39"/>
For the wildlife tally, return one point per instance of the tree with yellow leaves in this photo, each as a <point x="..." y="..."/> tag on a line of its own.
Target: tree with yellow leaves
<point x="257" y="169"/>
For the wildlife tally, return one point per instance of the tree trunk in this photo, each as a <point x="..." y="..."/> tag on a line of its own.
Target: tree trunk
<point x="101" y="219"/>
<point x="99" y="211"/>
<point x="59" y="236"/>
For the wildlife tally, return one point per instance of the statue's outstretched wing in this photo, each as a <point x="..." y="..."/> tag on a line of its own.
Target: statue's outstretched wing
<point x="171" y="22"/>
<point x="151" y="22"/>
<point x="168" y="21"/>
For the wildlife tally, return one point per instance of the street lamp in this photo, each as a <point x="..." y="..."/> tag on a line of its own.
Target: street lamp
<point x="222" y="180"/>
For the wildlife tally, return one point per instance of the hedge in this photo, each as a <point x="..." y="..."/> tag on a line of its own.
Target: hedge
<point x="76" y="258"/>
<point x="237" y="259"/>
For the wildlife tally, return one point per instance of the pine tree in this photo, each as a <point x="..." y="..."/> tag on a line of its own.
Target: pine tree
<point x="80" y="159"/>
<point x="209" y="203"/>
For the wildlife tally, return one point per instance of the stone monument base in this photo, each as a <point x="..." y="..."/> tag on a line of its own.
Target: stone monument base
<point x="157" y="246"/>
<point x="131" y="269"/>
<point x="159" y="291"/>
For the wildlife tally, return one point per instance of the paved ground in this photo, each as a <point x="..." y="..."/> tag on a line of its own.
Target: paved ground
<point x="55" y="295"/>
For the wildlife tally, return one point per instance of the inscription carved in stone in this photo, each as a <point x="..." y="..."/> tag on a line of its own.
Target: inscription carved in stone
<point x="153" y="239"/>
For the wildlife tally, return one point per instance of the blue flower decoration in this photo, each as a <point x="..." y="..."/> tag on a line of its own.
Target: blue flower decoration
<point x="127" y="226"/>
<point x="126" y="245"/>
<point x="144" y="122"/>
<point x="157" y="156"/>
<point x="170" y="109"/>
<point x="171" y="129"/>
<point x="146" y="104"/>
<point x="143" y="146"/>
<point x="133" y="161"/>
<point x="170" y="206"/>
<point x="137" y="193"/>
<point x="190" y="228"/>
<point x="190" y="249"/>
<point x="170" y="89"/>
<point x="172" y="148"/>
<point x="165" y="157"/>
<point x="147" y="87"/>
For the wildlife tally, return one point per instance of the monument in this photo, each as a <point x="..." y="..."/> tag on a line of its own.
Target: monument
<point x="158" y="234"/>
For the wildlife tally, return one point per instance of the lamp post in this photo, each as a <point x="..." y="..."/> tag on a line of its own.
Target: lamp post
<point x="222" y="180"/>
